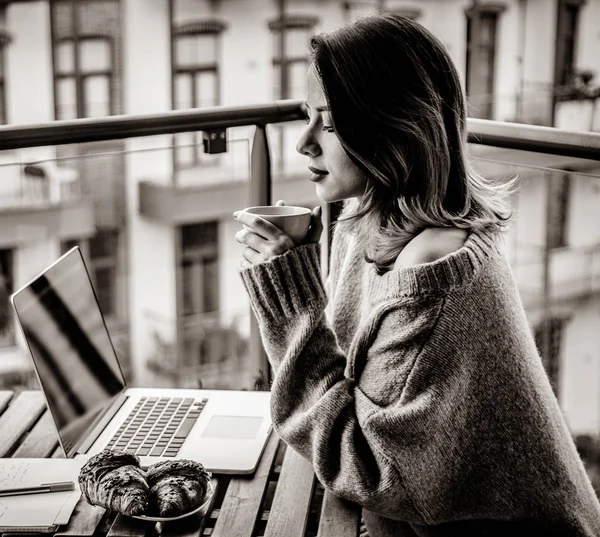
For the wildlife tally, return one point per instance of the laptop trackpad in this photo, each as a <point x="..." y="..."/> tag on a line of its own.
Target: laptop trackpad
<point x="233" y="427"/>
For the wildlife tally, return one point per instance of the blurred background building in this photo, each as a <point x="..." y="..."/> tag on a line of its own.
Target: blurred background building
<point x="153" y="215"/>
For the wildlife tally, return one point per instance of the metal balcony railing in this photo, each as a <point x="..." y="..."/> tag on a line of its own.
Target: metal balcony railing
<point x="215" y="120"/>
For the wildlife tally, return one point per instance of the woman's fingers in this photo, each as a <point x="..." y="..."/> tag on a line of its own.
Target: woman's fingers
<point x="245" y="236"/>
<point x="258" y="225"/>
<point x="258" y="248"/>
<point x="251" y="255"/>
<point x="245" y="264"/>
<point x="316" y="226"/>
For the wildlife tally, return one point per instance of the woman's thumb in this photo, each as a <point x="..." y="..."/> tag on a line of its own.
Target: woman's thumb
<point x="316" y="225"/>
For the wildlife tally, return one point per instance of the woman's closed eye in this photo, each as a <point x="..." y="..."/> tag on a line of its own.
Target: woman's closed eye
<point x="324" y="127"/>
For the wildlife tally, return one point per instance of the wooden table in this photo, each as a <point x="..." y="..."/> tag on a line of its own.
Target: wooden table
<point x="282" y="499"/>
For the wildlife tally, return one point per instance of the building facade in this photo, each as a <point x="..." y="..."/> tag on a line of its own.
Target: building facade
<point x="153" y="215"/>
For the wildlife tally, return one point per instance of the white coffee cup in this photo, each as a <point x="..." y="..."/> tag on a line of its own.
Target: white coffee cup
<point x="293" y="221"/>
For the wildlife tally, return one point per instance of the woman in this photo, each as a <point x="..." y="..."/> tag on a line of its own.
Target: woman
<point x="420" y="395"/>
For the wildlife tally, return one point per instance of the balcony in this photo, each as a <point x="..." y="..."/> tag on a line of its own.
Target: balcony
<point x="39" y="199"/>
<point x="158" y="237"/>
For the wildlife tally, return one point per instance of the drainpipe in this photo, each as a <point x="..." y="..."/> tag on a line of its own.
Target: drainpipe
<point x="474" y="44"/>
<point x="521" y="60"/>
<point x="283" y="73"/>
<point x="546" y="271"/>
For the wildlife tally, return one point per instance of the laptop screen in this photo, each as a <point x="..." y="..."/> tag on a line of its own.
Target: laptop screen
<point x="70" y="346"/>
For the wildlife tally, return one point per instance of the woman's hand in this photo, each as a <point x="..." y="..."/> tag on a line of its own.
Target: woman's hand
<point x="264" y="240"/>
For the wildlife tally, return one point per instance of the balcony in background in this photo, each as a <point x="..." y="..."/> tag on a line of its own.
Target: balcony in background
<point x="39" y="199"/>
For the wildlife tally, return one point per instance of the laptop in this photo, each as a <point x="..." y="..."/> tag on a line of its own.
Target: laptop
<point x="91" y="404"/>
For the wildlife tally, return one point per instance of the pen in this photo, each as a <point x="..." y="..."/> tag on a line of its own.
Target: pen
<point x="44" y="487"/>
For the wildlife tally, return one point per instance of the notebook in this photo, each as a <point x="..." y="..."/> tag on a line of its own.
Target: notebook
<point x="40" y="513"/>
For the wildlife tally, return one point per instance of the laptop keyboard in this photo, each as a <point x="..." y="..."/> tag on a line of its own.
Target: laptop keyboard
<point x="157" y="426"/>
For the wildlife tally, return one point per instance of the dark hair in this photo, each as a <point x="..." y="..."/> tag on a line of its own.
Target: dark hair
<point x="397" y="106"/>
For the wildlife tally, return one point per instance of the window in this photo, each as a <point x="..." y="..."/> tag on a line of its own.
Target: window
<point x="196" y="51"/>
<point x="481" y="59"/>
<point x="548" y="339"/>
<point x="199" y="268"/>
<point x="566" y="40"/>
<point x="199" y="286"/>
<point x="293" y="59"/>
<point x="7" y="333"/>
<point x="83" y="77"/>
<point x="101" y="255"/>
<point x="84" y="42"/>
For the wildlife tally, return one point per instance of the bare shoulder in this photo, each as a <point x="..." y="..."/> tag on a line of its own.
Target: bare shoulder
<point x="431" y="244"/>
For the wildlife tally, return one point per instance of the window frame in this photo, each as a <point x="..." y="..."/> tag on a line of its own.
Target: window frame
<point x="489" y="12"/>
<point x="566" y="44"/>
<point x="191" y="324"/>
<point x="198" y="255"/>
<point x="78" y="74"/>
<point x="305" y="23"/>
<point x="193" y="29"/>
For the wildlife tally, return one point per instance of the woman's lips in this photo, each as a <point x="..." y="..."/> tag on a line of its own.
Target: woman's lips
<point x="317" y="174"/>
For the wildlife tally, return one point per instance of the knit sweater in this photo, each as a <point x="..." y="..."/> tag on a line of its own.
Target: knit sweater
<point x="420" y="394"/>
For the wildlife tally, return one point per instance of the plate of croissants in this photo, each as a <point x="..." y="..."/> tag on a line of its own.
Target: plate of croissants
<point x="165" y="491"/>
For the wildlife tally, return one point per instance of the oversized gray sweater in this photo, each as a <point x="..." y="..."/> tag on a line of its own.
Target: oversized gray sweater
<point x="420" y="395"/>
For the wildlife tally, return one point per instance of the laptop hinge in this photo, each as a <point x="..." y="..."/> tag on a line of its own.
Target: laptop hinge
<point x="95" y="430"/>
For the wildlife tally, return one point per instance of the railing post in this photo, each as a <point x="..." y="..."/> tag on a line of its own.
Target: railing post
<point x="326" y="239"/>
<point x="546" y="342"/>
<point x="260" y="194"/>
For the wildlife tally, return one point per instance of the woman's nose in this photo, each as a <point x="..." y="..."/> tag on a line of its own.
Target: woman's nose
<point x="307" y="146"/>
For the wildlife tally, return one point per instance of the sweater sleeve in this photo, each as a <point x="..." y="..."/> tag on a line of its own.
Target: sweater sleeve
<point x="317" y="407"/>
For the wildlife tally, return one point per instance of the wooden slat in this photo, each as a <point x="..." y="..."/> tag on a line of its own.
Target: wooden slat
<point x="5" y="397"/>
<point x="18" y="418"/>
<point x="338" y="517"/>
<point x="84" y="520"/>
<point x="241" y="504"/>
<point x="58" y="453"/>
<point x="41" y="441"/>
<point x="214" y="514"/>
<point x="293" y="494"/>
<point x="129" y="527"/>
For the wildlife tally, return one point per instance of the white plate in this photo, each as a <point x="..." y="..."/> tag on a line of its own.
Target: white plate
<point x="210" y="492"/>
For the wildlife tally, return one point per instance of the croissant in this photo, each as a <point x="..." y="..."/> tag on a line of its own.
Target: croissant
<point x="176" y="487"/>
<point x="114" y="480"/>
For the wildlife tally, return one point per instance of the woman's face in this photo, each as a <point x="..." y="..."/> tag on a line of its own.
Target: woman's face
<point x="336" y="177"/>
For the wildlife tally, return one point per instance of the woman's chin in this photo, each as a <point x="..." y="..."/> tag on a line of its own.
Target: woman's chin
<point x="324" y="195"/>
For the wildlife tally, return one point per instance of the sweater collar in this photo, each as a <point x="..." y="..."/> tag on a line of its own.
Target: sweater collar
<point x="441" y="276"/>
